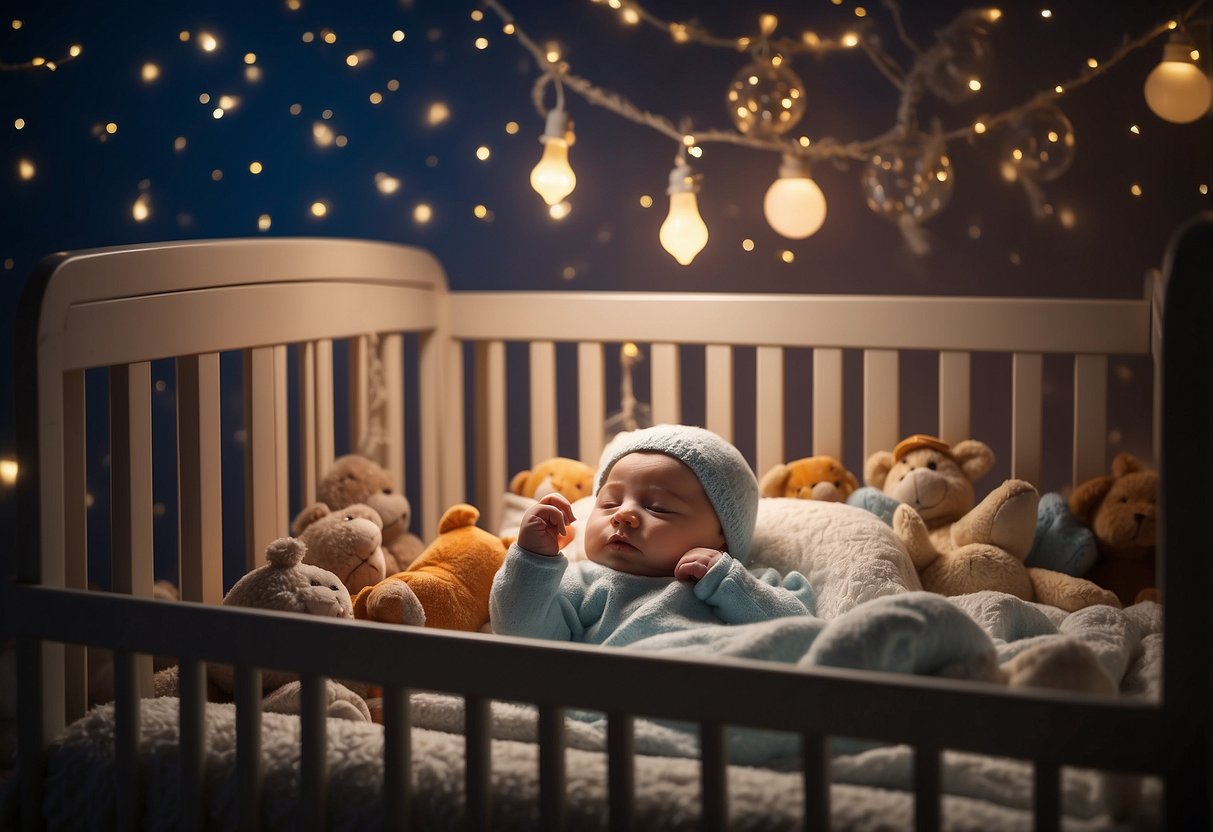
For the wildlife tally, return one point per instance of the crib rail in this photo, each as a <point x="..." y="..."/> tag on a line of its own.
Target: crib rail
<point x="1067" y="729"/>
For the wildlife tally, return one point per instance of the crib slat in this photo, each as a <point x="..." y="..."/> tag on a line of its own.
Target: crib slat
<point x="126" y="739"/>
<point x="479" y="771"/>
<point x="827" y="402"/>
<point x="391" y="350"/>
<point x="1090" y="416"/>
<point x="309" y="469"/>
<point x="881" y="404"/>
<point x="621" y="770"/>
<point x="191" y="717"/>
<point x="75" y="531"/>
<point x="397" y="758"/>
<point x="665" y="384"/>
<point x="551" y="768"/>
<point x="815" y="761"/>
<point x="492" y="478"/>
<point x="265" y="425"/>
<point x="713" y="777"/>
<point x="591" y="402"/>
<point x="248" y="748"/>
<point x="358" y="367"/>
<point x="1026" y="397"/>
<point x="131" y="489"/>
<point x="718" y="386"/>
<point x="926" y="788"/>
<point x="543" y="400"/>
<point x="131" y="477"/>
<point x="768" y="397"/>
<point x="955" y="397"/>
<point x="313" y="755"/>
<point x="1046" y="796"/>
<point x="325" y="431"/>
<point x="199" y="476"/>
<point x="439" y="490"/>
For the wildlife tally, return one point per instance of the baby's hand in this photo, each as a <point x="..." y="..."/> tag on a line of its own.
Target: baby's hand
<point x="695" y="564"/>
<point x="543" y="524"/>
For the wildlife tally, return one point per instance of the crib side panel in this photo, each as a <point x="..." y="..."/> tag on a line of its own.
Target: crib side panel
<point x="801" y="375"/>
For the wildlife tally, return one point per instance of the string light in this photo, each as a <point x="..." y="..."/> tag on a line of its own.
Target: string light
<point x="1177" y="90"/>
<point x="553" y="177"/>
<point x="761" y="120"/>
<point x="684" y="233"/>
<point x="794" y="205"/>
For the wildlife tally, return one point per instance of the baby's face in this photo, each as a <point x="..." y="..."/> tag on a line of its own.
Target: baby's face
<point x="651" y="511"/>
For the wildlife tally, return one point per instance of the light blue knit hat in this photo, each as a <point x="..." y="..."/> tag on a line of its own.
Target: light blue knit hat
<point x="724" y="473"/>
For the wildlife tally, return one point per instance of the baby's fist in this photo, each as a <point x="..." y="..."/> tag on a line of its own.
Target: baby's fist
<point x="695" y="564"/>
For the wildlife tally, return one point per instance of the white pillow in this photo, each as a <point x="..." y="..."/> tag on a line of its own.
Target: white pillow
<point x="848" y="554"/>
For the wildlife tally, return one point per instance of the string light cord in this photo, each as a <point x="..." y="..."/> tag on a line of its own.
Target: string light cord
<point x="911" y="84"/>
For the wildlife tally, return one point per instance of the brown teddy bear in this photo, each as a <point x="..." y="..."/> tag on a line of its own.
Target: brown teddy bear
<point x="558" y="474"/>
<point x="448" y="585"/>
<point x="288" y="584"/>
<point x="809" y="478"/>
<point x="347" y="542"/>
<point x="958" y="545"/>
<point x="1122" y="513"/>
<point x="354" y="478"/>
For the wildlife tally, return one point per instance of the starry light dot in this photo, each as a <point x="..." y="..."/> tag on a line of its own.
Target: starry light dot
<point x="979" y="127"/>
<point x="646" y="201"/>
<point x="437" y="113"/>
<point x="111" y="128"/>
<point x="75" y="49"/>
<point x="1046" y="13"/>
<point x="482" y="43"/>
<point x="205" y="98"/>
<point x="19" y="124"/>
<point x="8" y="467"/>
<point x="975" y="84"/>
<point x="480" y="212"/>
<point x="787" y="256"/>
<point x="1067" y="218"/>
<point x="393" y="85"/>
<point x="568" y="272"/>
<point x="431" y="161"/>
<point x="747" y="245"/>
<point x="386" y="183"/>
<point x="1092" y="63"/>
<point x="150" y="72"/>
<point x="351" y="60"/>
<point x="1135" y="130"/>
<point x="850" y="39"/>
<point x="207" y="41"/>
<point x="264" y="222"/>
<point x="330" y="37"/>
<point x="477" y="15"/>
<point x="8" y="264"/>
<point x="1135" y="189"/>
<point x="422" y="213"/>
<point x="483" y="153"/>
<point x="296" y="109"/>
<point x="560" y="210"/>
<point x="319" y="208"/>
<point x="183" y="35"/>
<point x="326" y="114"/>
<point x="1204" y="190"/>
<point x="695" y="151"/>
<point x="508" y="28"/>
<point x="376" y="98"/>
<point x="308" y="37"/>
<point x="25" y="169"/>
<point x="218" y="112"/>
<point x="974" y="232"/>
<point x="255" y="168"/>
<point x="179" y="143"/>
<point x="141" y="208"/>
<point x="511" y="127"/>
<point x="341" y="141"/>
<point x="398" y="36"/>
<point x="228" y="102"/>
<point x="216" y="175"/>
<point x="17" y="24"/>
<point x="252" y="74"/>
<point x="805" y="141"/>
<point x="294" y="5"/>
<point x="860" y="11"/>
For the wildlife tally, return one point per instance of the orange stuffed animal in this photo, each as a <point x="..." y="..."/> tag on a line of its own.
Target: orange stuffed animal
<point x="809" y="478"/>
<point x="447" y="586"/>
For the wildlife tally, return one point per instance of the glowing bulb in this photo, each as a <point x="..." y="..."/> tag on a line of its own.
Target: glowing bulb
<point x="141" y="209"/>
<point x="794" y="205"/>
<point x="1177" y="90"/>
<point x="553" y="178"/>
<point x="683" y="234"/>
<point x="8" y="471"/>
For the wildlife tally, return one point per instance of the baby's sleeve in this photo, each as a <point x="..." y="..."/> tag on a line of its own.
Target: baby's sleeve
<point x="526" y="598"/>
<point x="740" y="596"/>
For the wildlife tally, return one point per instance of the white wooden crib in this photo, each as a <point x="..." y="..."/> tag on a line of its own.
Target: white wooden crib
<point x="124" y="308"/>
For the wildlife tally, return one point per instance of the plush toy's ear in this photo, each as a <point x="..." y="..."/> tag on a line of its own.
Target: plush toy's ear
<point x="849" y="479"/>
<point x="518" y="484"/>
<point x="308" y="516"/>
<point x="975" y="458"/>
<point x="1126" y="463"/>
<point x="1087" y="497"/>
<point x="877" y="468"/>
<point x="774" y="481"/>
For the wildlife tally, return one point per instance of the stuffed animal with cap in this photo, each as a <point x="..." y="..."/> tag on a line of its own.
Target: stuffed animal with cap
<point x="447" y="586"/>
<point x="809" y="478"/>
<point x="1122" y="512"/>
<point x="285" y="583"/>
<point x="959" y="545"/>
<point x="354" y="478"/>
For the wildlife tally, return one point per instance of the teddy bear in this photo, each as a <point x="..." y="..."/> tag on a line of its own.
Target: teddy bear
<point x="285" y="583"/>
<point x="961" y="546"/>
<point x="447" y="587"/>
<point x="354" y="478"/>
<point x="346" y="542"/>
<point x="809" y="478"/>
<point x="558" y="474"/>
<point x="1121" y="510"/>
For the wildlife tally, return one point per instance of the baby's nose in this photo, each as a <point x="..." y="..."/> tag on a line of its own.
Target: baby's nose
<point x="624" y="517"/>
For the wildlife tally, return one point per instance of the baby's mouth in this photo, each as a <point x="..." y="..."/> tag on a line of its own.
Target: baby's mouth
<point x="619" y="540"/>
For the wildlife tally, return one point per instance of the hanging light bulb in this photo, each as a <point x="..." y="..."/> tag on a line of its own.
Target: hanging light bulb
<point x="1177" y="90"/>
<point x="794" y="205"/>
<point x="683" y="234"/>
<point x="553" y="178"/>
